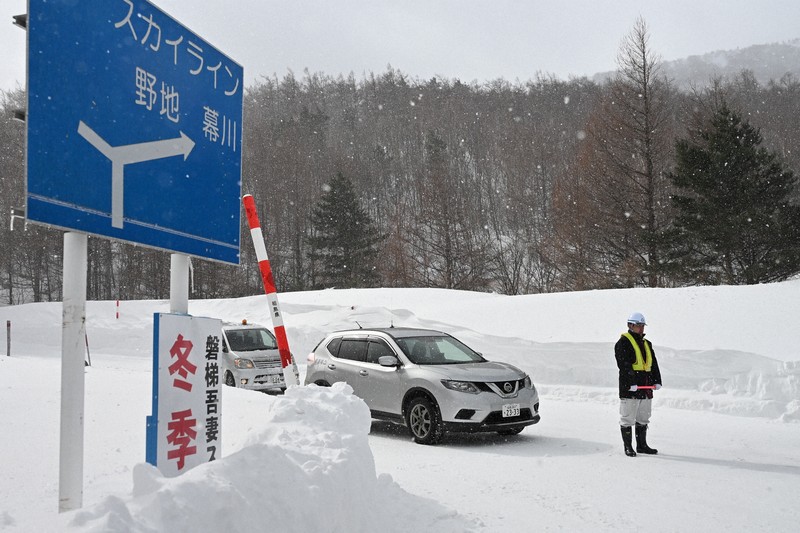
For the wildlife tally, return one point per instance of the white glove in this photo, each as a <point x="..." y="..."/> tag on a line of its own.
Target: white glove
<point x="658" y="386"/>
<point x="634" y="388"/>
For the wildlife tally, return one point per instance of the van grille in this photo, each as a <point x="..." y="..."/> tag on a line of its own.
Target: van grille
<point x="267" y="364"/>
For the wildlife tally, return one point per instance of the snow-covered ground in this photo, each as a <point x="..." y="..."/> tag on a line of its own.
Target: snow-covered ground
<point x="727" y="422"/>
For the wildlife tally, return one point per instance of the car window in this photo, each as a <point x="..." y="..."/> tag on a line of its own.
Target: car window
<point x="248" y="340"/>
<point x="333" y="346"/>
<point x="267" y="340"/>
<point x="455" y="351"/>
<point x="377" y="349"/>
<point x="353" y="349"/>
<point x="437" y="350"/>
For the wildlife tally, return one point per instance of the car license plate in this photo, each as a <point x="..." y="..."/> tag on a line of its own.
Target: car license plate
<point x="510" y="409"/>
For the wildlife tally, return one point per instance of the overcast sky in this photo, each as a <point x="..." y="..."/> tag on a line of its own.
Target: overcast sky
<point x="472" y="40"/>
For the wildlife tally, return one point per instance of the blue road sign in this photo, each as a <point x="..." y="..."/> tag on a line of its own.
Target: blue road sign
<point x="134" y="128"/>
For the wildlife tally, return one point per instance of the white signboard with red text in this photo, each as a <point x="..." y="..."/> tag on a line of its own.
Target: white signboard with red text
<point x="185" y="429"/>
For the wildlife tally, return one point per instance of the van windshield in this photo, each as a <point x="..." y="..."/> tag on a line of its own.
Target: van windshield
<point x="249" y="340"/>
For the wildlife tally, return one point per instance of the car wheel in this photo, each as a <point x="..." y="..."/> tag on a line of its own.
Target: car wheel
<point x="424" y="421"/>
<point x="229" y="381"/>
<point x="511" y="431"/>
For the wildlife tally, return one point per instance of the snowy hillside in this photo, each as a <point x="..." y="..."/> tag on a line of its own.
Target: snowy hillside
<point x="766" y="62"/>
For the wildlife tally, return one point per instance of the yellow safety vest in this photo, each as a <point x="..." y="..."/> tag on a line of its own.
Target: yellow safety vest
<point x="640" y="364"/>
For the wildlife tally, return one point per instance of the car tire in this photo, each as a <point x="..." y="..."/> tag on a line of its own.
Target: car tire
<point x="424" y="421"/>
<point x="511" y="431"/>
<point x="229" y="380"/>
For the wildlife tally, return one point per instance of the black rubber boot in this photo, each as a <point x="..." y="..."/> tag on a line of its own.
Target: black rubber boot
<point x="627" y="437"/>
<point x="641" y="441"/>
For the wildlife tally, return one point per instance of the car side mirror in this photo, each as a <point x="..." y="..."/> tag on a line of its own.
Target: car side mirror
<point x="388" y="360"/>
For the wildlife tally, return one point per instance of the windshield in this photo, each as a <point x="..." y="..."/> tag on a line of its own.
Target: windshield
<point x="438" y="350"/>
<point x="249" y="340"/>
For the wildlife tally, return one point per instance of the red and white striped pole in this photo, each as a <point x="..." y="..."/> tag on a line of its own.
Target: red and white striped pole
<point x="289" y="375"/>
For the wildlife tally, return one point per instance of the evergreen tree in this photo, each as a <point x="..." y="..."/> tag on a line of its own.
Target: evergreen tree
<point x="735" y="220"/>
<point x="344" y="240"/>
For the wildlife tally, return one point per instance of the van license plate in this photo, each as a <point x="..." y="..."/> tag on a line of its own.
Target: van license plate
<point x="511" y="409"/>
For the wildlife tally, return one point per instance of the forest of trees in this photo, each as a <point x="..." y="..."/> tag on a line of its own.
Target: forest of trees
<point x="542" y="186"/>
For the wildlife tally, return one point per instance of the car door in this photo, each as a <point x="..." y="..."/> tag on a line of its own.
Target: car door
<point x="378" y="385"/>
<point x="349" y="361"/>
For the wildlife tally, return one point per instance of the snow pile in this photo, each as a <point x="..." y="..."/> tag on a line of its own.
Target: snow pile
<point x="722" y="381"/>
<point x="306" y="467"/>
<point x="710" y="341"/>
<point x="564" y="341"/>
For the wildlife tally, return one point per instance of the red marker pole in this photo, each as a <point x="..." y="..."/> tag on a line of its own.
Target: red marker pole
<point x="647" y="387"/>
<point x="289" y="376"/>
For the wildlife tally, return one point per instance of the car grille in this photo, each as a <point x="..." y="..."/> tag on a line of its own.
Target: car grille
<point x="502" y="388"/>
<point x="267" y="364"/>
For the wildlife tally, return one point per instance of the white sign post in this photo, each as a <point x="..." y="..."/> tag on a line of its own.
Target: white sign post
<point x="179" y="284"/>
<point x="70" y="473"/>
<point x="185" y="428"/>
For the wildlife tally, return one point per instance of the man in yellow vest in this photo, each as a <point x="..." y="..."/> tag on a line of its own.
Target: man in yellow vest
<point x="638" y="378"/>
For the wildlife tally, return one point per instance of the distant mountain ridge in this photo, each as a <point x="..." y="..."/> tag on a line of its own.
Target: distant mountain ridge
<point x="765" y="61"/>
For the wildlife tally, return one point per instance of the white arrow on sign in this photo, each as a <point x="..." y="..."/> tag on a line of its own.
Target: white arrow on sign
<point x="129" y="154"/>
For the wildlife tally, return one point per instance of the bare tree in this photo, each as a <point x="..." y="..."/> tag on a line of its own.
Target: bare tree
<point x="624" y="168"/>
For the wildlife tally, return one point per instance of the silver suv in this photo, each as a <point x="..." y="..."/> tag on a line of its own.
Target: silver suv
<point x="428" y="380"/>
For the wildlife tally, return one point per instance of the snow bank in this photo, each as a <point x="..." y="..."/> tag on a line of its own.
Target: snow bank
<point x="721" y="381"/>
<point x="564" y="341"/>
<point x="306" y="466"/>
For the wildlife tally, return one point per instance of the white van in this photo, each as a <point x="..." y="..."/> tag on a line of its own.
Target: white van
<point x="250" y="358"/>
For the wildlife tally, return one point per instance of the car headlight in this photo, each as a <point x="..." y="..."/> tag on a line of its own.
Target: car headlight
<point x="527" y="383"/>
<point x="461" y="386"/>
<point x="243" y="363"/>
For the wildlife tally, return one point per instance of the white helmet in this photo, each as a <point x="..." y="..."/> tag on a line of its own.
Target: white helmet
<point x="637" y="318"/>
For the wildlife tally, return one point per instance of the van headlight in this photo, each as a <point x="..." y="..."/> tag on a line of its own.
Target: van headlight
<point x="461" y="386"/>
<point x="243" y="363"/>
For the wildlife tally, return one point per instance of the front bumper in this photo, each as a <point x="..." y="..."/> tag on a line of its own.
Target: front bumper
<point x="259" y="379"/>
<point x="464" y="412"/>
<point x="495" y="422"/>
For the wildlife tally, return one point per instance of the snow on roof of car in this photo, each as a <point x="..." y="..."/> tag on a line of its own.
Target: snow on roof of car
<point x="398" y="332"/>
